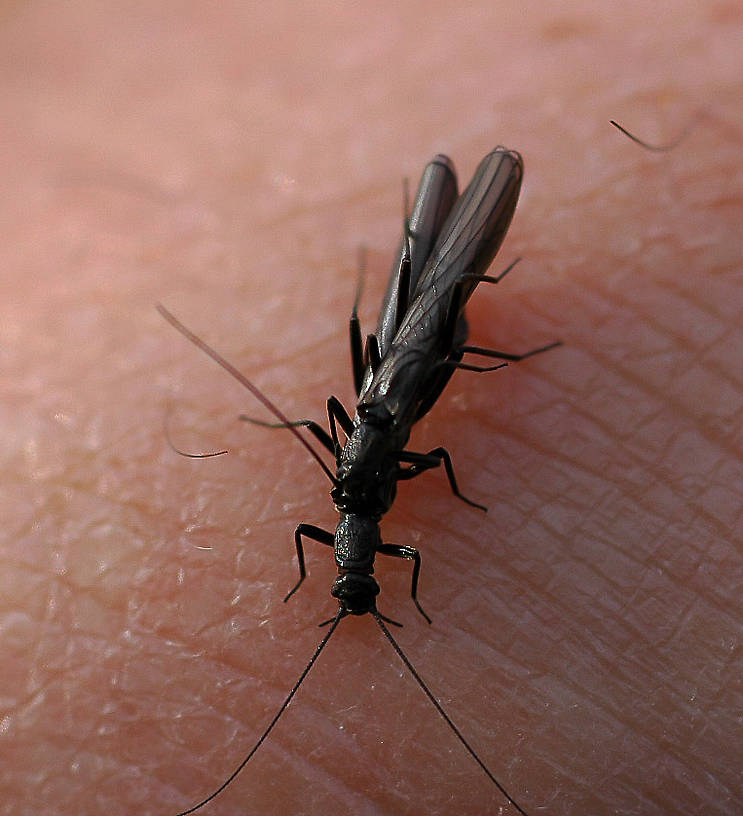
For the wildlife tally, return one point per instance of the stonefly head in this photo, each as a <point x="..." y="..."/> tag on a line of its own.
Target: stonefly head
<point x="356" y="593"/>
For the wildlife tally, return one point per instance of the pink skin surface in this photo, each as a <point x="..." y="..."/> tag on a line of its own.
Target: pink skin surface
<point x="229" y="163"/>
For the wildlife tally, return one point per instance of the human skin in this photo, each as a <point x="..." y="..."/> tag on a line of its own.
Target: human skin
<point x="229" y="163"/>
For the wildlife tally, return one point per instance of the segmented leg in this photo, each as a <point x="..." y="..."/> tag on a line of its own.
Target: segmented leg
<point x="314" y="534"/>
<point x="413" y="555"/>
<point x="337" y="415"/>
<point x="313" y="427"/>
<point x="420" y="462"/>
<point x="504" y="355"/>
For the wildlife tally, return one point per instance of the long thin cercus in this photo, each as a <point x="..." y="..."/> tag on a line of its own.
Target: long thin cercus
<point x="449" y="242"/>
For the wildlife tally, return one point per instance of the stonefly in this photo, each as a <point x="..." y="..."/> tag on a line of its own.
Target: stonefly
<point x="449" y="242"/>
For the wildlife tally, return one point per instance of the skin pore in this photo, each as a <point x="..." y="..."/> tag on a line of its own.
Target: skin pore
<point x="229" y="163"/>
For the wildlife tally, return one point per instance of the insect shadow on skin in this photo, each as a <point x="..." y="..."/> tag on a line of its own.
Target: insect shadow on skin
<point x="448" y="243"/>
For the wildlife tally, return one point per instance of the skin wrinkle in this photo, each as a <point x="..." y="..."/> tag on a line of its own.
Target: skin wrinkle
<point x="678" y="406"/>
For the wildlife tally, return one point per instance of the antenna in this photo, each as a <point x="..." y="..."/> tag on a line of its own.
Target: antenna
<point x="439" y="708"/>
<point x="273" y="722"/>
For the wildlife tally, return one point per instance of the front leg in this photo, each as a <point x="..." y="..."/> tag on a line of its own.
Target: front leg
<point x="420" y="462"/>
<point x="315" y="534"/>
<point x="413" y="555"/>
